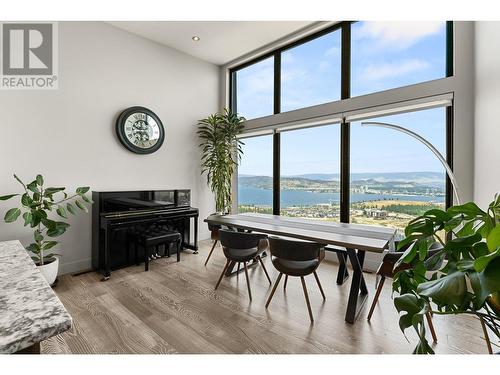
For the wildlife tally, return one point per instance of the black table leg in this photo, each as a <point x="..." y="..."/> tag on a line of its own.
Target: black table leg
<point x="342" y="274"/>
<point x="358" y="293"/>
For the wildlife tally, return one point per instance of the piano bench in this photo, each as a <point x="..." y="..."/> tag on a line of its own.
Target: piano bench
<point x="153" y="238"/>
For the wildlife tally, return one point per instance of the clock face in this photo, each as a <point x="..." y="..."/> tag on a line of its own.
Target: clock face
<point x="140" y="130"/>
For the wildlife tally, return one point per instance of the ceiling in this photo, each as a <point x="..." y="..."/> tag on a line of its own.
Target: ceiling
<point x="220" y="41"/>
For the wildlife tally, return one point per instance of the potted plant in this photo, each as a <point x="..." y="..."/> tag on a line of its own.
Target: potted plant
<point x="221" y="152"/>
<point x="36" y="204"/>
<point x="462" y="278"/>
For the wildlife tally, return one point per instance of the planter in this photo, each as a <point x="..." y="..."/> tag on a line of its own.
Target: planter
<point x="49" y="271"/>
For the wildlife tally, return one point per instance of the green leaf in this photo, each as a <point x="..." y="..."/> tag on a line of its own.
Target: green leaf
<point x="408" y="255"/>
<point x="61" y="212"/>
<point x="12" y="215"/>
<point x="49" y="245"/>
<point x="71" y="209"/>
<point x="469" y="209"/>
<point x="28" y="218"/>
<point x="81" y="206"/>
<point x="33" y="247"/>
<point x="56" y="232"/>
<point x="87" y="199"/>
<point x="493" y="240"/>
<point x="39" y="179"/>
<point x="33" y="186"/>
<point x="5" y="197"/>
<point x="82" y="190"/>
<point x="481" y="262"/>
<point x="486" y="282"/>
<point x="26" y="200"/>
<point x="447" y="290"/>
<point x="38" y="236"/>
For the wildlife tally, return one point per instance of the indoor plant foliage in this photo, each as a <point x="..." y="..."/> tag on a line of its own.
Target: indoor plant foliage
<point x="221" y="152"/>
<point x="461" y="278"/>
<point x="36" y="204"/>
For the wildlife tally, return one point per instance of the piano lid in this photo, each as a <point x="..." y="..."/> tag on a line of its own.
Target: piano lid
<point x="142" y="200"/>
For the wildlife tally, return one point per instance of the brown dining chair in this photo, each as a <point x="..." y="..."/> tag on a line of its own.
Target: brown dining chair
<point x="242" y="247"/>
<point x="296" y="258"/>
<point x="214" y="235"/>
<point x="386" y="270"/>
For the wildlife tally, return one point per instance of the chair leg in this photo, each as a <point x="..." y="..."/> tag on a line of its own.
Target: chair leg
<point x="264" y="268"/>
<point x="146" y="258"/>
<point x="238" y="271"/>
<point x="273" y="290"/>
<point x="431" y="327"/>
<point x="222" y="274"/>
<point x="486" y="336"/>
<point x="319" y="284"/>
<point x="307" y="298"/>
<point x="248" y="280"/>
<point x="286" y="281"/>
<point x="179" y="250"/>
<point x="377" y="295"/>
<point x="211" y="251"/>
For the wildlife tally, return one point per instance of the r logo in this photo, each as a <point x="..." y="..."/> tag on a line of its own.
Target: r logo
<point x="27" y="49"/>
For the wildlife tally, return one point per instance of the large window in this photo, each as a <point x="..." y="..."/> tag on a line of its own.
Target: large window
<point x="255" y="175"/>
<point x="386" y="55"/>
<point x="254" y="89"/>
<point x="310" y="73"/>
<point x="309" y="181"/>
<point x="348" y="172"/>
<point x="395" y="178"/>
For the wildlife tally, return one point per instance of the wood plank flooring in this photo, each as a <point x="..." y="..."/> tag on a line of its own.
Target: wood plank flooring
<point x="173" y="308"/>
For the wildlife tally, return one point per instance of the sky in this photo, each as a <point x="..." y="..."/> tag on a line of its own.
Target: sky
<point x="384" y="55"/>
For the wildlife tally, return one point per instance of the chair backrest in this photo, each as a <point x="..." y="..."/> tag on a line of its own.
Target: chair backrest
<point x="239" y="240"/>
<point x="294" y="250"/>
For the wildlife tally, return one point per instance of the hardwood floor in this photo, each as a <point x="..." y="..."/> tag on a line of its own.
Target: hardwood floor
<point x="173" y="308"/>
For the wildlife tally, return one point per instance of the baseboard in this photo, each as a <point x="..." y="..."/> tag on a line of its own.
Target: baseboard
<point x="75" y="266"/>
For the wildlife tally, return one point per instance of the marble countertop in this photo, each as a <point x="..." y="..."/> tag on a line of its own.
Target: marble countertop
<point x="30" y="312"/>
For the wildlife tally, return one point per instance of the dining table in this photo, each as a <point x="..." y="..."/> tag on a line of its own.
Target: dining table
<point x="356" y="239"/>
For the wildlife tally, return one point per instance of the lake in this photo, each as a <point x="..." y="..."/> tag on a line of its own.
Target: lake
<point x="263" y="197"/>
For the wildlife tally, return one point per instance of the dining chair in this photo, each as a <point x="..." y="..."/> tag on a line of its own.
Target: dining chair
<point x="242" y="247"/>
<point x="386" y="270"/>
<point x="214" y="235"/>
<point x="298" y="259"/>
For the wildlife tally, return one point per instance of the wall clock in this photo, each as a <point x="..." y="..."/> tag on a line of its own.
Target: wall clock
<point x="140" y="130"/>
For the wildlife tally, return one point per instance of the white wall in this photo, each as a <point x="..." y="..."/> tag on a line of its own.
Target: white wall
<point x="68" y="134"/>
<point x="487" y="111"/>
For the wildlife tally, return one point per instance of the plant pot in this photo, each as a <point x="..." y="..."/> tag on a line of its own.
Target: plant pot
<point x="49" y="270"/>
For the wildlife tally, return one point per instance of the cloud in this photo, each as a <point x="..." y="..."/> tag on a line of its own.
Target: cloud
<point x="400" y="34"/>
<point x="332" y="51"/>
<point x="391" y="70"/>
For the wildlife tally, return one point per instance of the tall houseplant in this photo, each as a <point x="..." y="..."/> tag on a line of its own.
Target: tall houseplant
<point x="37" y="202"/>
<point x="462" y="278"/>
<point x="221" y="152"/>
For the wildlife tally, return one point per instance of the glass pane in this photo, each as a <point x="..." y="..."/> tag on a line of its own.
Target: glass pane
<point x="310" y="73"/>
<point x="387" y="55"/>
<point x="255" y="181"/>
<point x="309" y="182"/>
<point x="394" y="177"/>
<point x="254" y="89"/>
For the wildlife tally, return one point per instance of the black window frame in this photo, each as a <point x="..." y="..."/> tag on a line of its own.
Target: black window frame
<point x="345" y="90"/>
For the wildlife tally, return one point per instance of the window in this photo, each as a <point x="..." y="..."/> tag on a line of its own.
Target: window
<point x="255" y="181"/>
<point x="395" y="178"/>
<point x="386" y="55"/>
<point x="309" y="182"/>
<point x="255" y="89"/>
<point x="310" y="72"/>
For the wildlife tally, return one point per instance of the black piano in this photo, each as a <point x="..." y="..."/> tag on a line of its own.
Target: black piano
<point x="115" y="214"/>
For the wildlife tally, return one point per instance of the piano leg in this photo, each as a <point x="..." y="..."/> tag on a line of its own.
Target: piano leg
<point x="195" y="234"/>
<point x="107" y="245"/>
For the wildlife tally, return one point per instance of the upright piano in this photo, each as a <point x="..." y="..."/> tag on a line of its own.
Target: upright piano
<point x="116" y="213"/>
